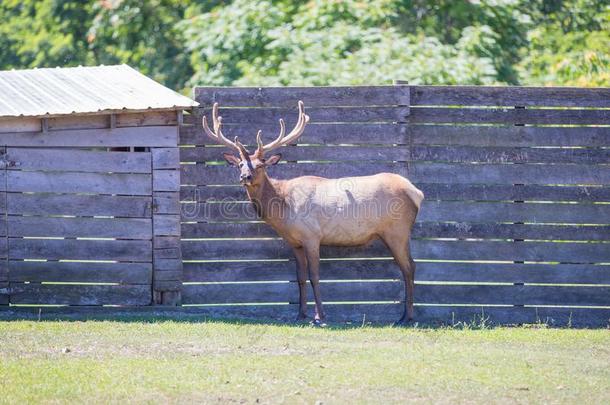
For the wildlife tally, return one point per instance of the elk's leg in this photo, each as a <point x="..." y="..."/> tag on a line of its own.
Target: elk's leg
<point x="299" y="254"/>
<point x="401" y="252"/>
<point x="313" y="261"/>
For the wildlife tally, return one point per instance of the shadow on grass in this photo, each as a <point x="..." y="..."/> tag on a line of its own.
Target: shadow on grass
<point x="181" y="315"/>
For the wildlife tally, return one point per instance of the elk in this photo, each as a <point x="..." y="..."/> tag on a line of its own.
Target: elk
<point x="311" y="211"/>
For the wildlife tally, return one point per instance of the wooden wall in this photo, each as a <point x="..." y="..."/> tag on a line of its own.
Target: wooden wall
<point x="515" y="225"/>
<point x="83" y="199"/>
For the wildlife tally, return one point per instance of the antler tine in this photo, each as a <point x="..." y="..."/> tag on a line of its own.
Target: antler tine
<point x="282" y="138"/>
<point x="217" y="135"/>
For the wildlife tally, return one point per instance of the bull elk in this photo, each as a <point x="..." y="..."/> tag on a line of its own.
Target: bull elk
<point x="311" y="211"/>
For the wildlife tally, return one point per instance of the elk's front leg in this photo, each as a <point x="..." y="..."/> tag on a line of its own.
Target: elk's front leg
<point x="301" y="259"/>
<point x="313" y="262"/>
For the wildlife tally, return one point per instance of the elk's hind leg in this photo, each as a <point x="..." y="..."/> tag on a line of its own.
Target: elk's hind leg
<point x="299" y="254"/>
<point x="399" y="246"/>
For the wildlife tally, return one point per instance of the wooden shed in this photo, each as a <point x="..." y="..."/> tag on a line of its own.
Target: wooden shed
<point x="89" y="187"/>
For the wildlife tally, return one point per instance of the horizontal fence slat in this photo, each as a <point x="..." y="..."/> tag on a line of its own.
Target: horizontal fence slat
<point x="510" y="96"/>
<point x="72" y="182"/>
<point x="456" y="154"/>
<point x="69" y="249"/>
<point x="393" y="291"/>
<point x="257" y="116"/>
<point x="315" y="133"/>
<point x="57" y="294"/>
<point x="288" y="292"/>
<point x="79" y="160"/>
<point x="83" y="272"/>
<point x="507" y="116"/>
<point x="387" y="269"/>
<point x="123" y="228"/>
<point x="457" y="192"/>
<point x="150" y="136"/>
<point x="421" y="172"/>
<point x="512" y="295"/>
<point x="513" y="136"/>
<point x="414" y="134"/>
<point x="311" y="96"/>
<point x="461" y="230"/>
<point x="521" y="192"/>
<point x="456" y="211"/>
<point x="79" y="205"/>
<point x="421" y="249"/>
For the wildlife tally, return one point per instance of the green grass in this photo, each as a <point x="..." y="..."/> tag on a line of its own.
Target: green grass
<point x="177" y="362"/>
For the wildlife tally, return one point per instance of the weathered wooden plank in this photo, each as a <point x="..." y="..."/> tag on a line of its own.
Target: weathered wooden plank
<point x="168" y="264"/>
<point x="393" y="291"/>
<point x="79" y="205"/>
<point x="154" y="136"/>
<point x="83" y="272"/>
<point x="76" y="121"/>
<point x="460" y="230"/>
<point x="79" y="160"/>
<point x="553" y="316"/>
<point x="457" y="192"/>
<point x="123" y="228"/>
<point x="165" y="158"/>
<point x="315" y="133"/>
<point x="512" y="295"/>
<point x="476" y="192"/>
<point x="255" y="116"/>
<point x="72" y="182"/>
<point x="166" y="202"/>
<point x="506" y="116"/>
<point x="421" y="249"/>
<point x="19" y="124"/>
<point x="166" y="242"/>
<point x="445" y="173"/>
<point x="166" y="225"/>
<point x="2" y="187"/>
<point x="456" y="211"/>
<point x="70" y="249"/>
<point x="167" y="285"/>
<point x="510" y="136"/>
<point x="166" y="180"/>
<point x="404" y="153"/>
<point x="288" y="292"/>
<point x="387" y="269"/>
<point x="147" y="119"/>
<point x="311" y="96"/>
<point x="510" y="96"/>
<point x="58" y="294"/>
<point x="414" y="134"/>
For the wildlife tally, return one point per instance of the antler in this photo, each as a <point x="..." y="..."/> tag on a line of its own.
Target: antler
<point x="217" y="135"/>
<point x="283" y="139"/>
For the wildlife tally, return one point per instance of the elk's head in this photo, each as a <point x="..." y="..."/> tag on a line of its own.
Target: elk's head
<point x="252" y="165"/>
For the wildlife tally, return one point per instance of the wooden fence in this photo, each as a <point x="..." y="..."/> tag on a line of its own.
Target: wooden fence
<point x="87" y="203"/>
<point x="515" y="225"/>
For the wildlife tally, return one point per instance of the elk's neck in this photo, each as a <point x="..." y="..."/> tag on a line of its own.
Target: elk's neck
<point x="268" y="199"/>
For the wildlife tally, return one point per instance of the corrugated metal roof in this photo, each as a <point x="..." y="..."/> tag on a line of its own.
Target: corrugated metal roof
<point x="83" y="90"/>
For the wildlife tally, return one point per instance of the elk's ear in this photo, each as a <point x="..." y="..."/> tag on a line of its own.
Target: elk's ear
<point x="231" y="159"/>
<point x="273" y="160"/>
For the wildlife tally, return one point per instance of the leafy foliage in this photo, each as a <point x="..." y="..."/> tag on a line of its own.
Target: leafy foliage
<point x="317" y="42"/>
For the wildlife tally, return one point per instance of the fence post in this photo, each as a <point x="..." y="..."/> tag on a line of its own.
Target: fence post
<point x="167" y="254"/>
<point x="405" y="101"/>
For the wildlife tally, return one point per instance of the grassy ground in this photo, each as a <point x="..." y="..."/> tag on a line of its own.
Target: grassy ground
<point x="168" y="361"/>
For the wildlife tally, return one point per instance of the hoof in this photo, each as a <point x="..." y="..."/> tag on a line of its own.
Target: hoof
<point x="317" y="323"/>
